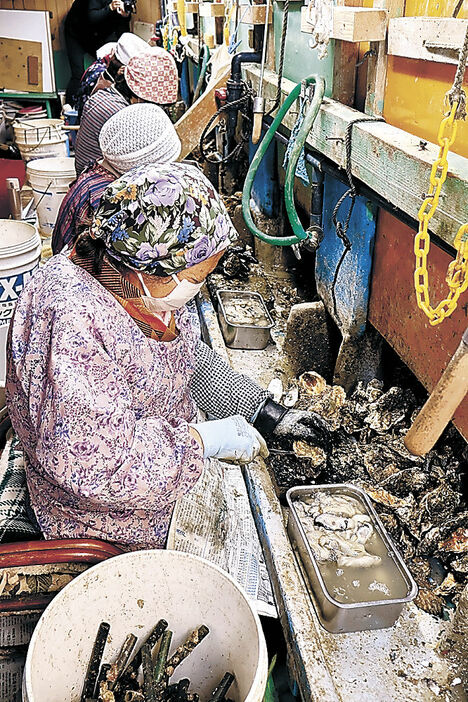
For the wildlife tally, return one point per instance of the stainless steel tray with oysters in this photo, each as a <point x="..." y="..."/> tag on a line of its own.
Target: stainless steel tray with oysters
<point x="244" y="319"/>
<point x="358" y="579"/>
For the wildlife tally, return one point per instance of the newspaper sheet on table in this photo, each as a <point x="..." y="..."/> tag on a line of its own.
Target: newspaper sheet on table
<point x="214" y="521"/>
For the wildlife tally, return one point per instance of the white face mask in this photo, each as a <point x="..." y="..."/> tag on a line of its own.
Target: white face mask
<point x="177" y="298"/>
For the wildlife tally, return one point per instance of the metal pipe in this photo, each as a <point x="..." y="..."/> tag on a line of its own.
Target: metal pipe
<point x="239" y="59"/>
<point x="259" y="100"/>
<point x="234" y="90"/>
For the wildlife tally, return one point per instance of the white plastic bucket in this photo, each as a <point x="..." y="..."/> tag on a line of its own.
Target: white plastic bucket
<point x="132" y="592"/>
<point x="49" y="179"/>
<point x="20" y="251"/>
<point x="41" y="138"/>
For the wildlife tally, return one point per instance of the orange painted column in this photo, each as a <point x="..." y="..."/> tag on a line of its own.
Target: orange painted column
<point x="414" y="96"/>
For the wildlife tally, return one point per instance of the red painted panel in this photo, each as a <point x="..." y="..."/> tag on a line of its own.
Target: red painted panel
<point x="393" y="311"/>
<point x="9" y="169"/>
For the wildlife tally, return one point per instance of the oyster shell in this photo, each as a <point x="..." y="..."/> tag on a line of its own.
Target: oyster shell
<point x="406" y="545"/>
<point x="448" y="586"/>
<point x="420" y="570"/>
<point x="345" y="462"/>
<point x="311" y="383"/>
<point x="456" y="543"/>
<point x="385" y="498"/>
<point x="275" y="388"/>
<point x="460" y="565"/>
<point x="291" y="397"/>
<point x="440" y="504"/>
<point x="390" y="409"/>
<point x="429" y="601"/>
<point x="404" y="507"/>
<point x="429" y="541"/>
<point x="407" y="480"/>
<point x="317" y="396"/>
<point x="316" y="455"/>
<point x="391" y="524"/>
<point x="365" y="394"/>
<point x="379" y="461"/>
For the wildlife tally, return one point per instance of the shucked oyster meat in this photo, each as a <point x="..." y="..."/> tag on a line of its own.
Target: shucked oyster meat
<point x="337" y="529"/>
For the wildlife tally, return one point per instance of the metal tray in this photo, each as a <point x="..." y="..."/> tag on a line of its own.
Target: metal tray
<point x="243" y="336"/>
<point x="338" y="617"/>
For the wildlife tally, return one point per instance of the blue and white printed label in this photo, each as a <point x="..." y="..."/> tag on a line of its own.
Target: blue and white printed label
<point x="10" y="289"/>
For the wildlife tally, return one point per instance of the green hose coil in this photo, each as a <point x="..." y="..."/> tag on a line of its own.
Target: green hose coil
<point x="201" y="77"/>
<point x="299" y="232"/>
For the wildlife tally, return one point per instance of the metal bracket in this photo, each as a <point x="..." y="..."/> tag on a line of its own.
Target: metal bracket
<point x="449" y="50"/>
<point x="307" y="91"/>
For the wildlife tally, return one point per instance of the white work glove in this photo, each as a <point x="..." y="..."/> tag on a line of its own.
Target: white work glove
<point x="231" y="439"/>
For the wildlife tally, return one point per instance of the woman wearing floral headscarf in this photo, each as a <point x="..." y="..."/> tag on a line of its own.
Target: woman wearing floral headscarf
<point x="105" y="369"/>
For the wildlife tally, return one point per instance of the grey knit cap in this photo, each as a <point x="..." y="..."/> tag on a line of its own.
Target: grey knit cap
<point x="137" y="135"/>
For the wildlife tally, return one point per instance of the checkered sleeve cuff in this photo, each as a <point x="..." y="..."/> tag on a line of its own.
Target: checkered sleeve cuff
<point x="220" y="391"/>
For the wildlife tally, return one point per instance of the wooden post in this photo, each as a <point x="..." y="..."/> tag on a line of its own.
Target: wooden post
<point x="344" y="64"/>
<point x="191" y="125"/>
<point x="377" y="65"/>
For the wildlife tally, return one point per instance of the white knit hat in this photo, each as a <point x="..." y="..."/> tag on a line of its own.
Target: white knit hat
<point x="128" y="46"/>
<point x="139" y="134"/>
<point x="106" y="49"/>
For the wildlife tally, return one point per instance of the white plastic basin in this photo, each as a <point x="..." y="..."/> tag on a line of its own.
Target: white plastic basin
<point x="132" y="592"/>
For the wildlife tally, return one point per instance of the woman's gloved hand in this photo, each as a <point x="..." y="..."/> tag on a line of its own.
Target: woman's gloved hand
<point x="275" y="420"/>
<point x="231" y="439"/>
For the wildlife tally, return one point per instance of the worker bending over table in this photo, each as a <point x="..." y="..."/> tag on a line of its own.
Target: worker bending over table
<point x="148" y="77"/>
<point x="134" y="136"/>
<point x="111" y="58"/>
<point x="106" y="371"/>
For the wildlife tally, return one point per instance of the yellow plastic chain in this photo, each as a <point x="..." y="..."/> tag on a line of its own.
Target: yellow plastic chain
<point x="227" y="24"/>
<point x="457" y="272"/>
<point x="165" y="37"/>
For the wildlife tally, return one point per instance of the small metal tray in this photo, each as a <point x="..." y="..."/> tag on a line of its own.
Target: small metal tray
<point x="338" y="617"/>
<point x="243" y="336"/>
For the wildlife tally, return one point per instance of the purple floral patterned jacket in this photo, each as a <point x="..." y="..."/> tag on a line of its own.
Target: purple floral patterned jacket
<point x="101" y="411"/>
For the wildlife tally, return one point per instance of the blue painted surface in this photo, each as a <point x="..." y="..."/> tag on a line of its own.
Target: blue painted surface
<point x="353" y="285"/>
<point x="185" y="83"/>
<point x="265" y="191"/>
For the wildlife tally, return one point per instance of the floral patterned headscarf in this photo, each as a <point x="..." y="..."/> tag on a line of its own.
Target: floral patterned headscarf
<point x="162" y="218"/>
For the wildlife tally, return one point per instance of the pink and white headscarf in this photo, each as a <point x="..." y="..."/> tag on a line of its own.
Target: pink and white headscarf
<point x="153" y="76"/>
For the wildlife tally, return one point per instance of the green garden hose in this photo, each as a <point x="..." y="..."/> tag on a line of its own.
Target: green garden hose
<point x="201" y="77"/>
<point x="299" y="232"/>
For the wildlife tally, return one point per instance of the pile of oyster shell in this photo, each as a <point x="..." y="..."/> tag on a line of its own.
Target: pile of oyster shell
<point x="420" y="500"/>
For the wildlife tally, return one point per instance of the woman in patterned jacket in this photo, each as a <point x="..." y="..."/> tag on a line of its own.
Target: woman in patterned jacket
<point x="106" y="369"/>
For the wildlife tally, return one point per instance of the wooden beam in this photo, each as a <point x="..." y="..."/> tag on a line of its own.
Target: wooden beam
<point x="211" y="9"/>
<point x="420" y="37"/>
<point x="144" y="30"/>
<point x="255" y="14"/>
<point x="345" y="57"/>
<point x="358" y="24"/>
<point x="377" y="63"/>
<point x="387" y="159"/>
<point x="191" y="125"/>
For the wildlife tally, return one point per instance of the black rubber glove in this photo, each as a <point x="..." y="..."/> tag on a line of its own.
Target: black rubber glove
<point x="275" y="420"/>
